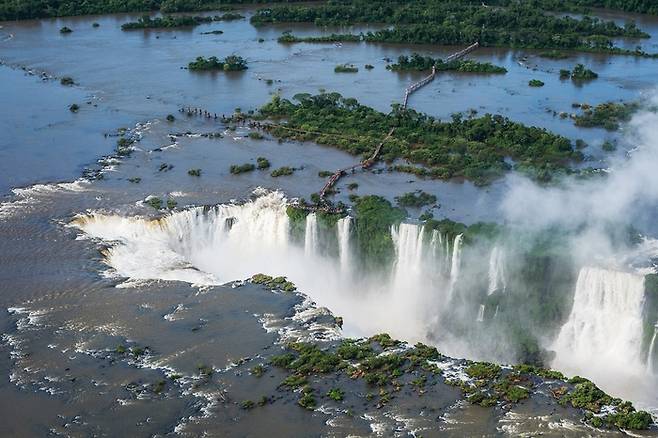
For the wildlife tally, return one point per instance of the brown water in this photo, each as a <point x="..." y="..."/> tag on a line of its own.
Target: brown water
<point x="65" y="316"/>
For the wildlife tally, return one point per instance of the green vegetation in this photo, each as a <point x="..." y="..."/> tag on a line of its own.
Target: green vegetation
<point x="168" y="21"/>
<point x="336" y="394"/>
<point x="258" y="370"/>
<point x="194" y="172"/>
<point x="368" y="66"/>
<point x="346" y="68"/>
<point x="352" y="186"/>
<point x="24" y="9"/>
<point x="415" y="199"/>
<point x="170" y="118"/>
<point x="124" y="146"/>
<point x="458" y="22"/>
<point x="74" y="108"/>
<point x="67" y="80"/>
<point x="475" y="148"/>
<point x="535" y="83"/>
<point x="230" y="63"/>
<point x="483" y="370"/>
<point x="274" y="282"/>
<point x="418" y="62"/>
<point x="262" y="163"/>
<point x="156" y="203"/>
<point x="374" y="217"/>
<point x="282" y="171"/>
<point x="553" y="54"/>
<point x="579" y="73"/>
<point x="289" y="38"/>
<point x="255" y="135"/>
<point x="325" y="173"/>
<point x="247" y="404"/>
<point x="237" y="169"/>
<point x="65" y="30"/>
<point x="307" y="400"/>
<point x="609" y="115"/>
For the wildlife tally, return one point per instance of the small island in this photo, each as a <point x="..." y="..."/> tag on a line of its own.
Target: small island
<point x="418" y="62"/>
<point x="230" y="63"/>
<point x="170" y="21"/>
<point x="579" y="73"/>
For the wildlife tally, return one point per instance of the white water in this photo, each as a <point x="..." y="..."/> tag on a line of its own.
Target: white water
<point x="480" y="317"/>
<point x="603" y="335"/>
<point x="343" y="227"/>
<point x="455" y="264"/>
<point x="650" y="359"/>
<point x="497" y="280"/>
<point x="311" y="235"/>
<point x="231" y="242"/>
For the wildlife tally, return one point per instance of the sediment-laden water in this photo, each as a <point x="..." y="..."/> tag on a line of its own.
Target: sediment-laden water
<point x="106" y="298"/>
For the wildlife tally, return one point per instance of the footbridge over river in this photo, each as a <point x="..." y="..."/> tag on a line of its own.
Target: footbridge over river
<point x="370" y="161"/>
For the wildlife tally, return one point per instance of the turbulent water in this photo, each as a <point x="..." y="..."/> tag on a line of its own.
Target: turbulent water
<point x="605" y="323"/>
<point x="214" y="245"/>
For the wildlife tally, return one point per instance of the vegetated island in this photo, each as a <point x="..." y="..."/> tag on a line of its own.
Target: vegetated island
<point x="417" y="62"/>
<point x="26" y="9"/>
<point x="288" y="37"/>
<point x="608" y="115"/>
<point x="230" y="63"/>
<point x="170" y="21"/>
<point x="346" y="68"/>
<point x="478" y="149"/>
<point x="459" y="22"/>
<point x="579" y="73"/>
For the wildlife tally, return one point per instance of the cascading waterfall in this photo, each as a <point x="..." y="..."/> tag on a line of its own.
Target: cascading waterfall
<point x="311" y="235"/>
<point x="650" y="354"/>
<point x="603" y="334"/>
<point x="343" y="227"/>
<point x="480" y="317"/>
<point x="455" y="263"/>
<point x="497" y="280"/>
<point x="231" y="242"/>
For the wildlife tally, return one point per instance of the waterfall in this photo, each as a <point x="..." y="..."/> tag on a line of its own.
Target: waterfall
<point x="480" y="317"/>
<point x="454" y="263"/>
<point x="311" y="235"/>
<point x="652" y="345"/>
<point x="497" y="279"/>
<point x="344" y="251"/>
<point x="408" y="241"/>
<point x="604" y="331"/>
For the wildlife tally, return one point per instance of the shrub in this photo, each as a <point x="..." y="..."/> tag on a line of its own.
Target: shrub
<point x="154" y="202"/>
<point x="536" y="83"/>
<point x="345" y="68"/>
<point x="237" y="169"/>
<point x="67" y="80"/>
<point x="65" y="30"/>
<point x="336" y="394"/>
<point x="255" y="135"/>
<point x="194" y="172"/>
<point x="282" y="171"/>
<point x="262" y="163"/>
<point x="416" y="200"/>
<point x="170" y="118"/>
<point x="74" y="108"/>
